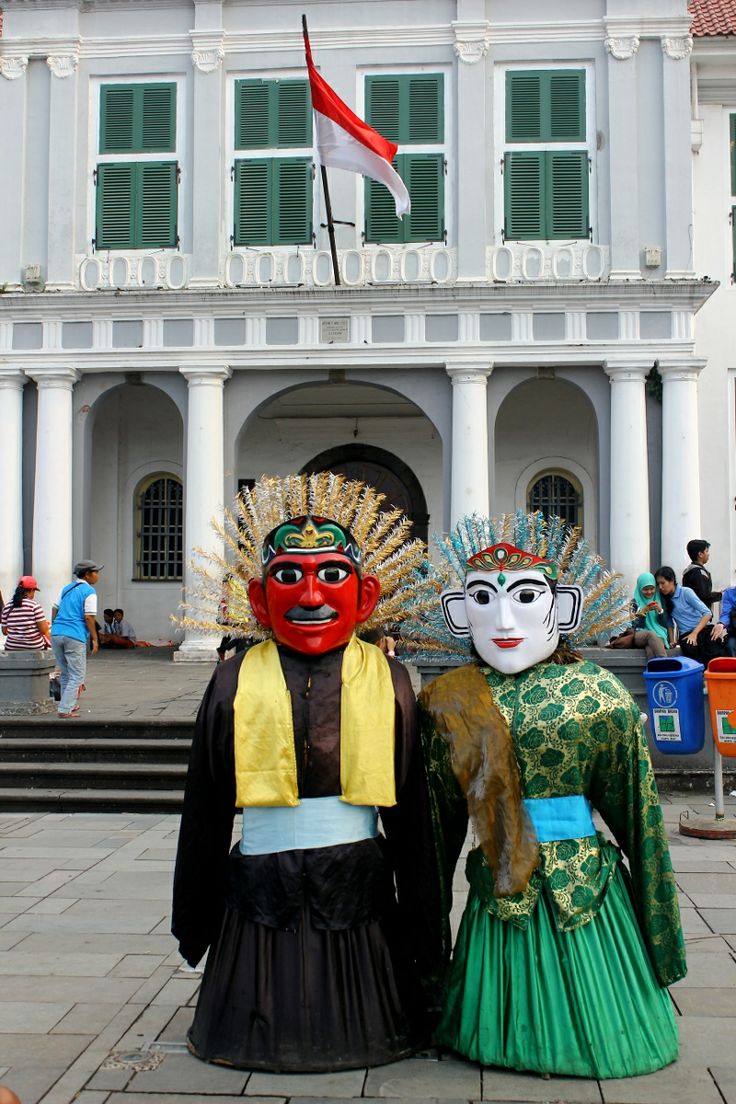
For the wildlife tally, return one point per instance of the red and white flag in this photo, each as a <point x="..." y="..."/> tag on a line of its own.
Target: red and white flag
<point x="343" y="141"/>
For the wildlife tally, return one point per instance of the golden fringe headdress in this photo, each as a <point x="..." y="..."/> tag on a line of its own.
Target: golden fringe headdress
<point x="222" y="579"/>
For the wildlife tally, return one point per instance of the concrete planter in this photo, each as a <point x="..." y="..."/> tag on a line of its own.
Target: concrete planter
<point x="24" y="683"/>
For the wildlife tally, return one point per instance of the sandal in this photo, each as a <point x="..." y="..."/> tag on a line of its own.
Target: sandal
<point x="66" y="716"/>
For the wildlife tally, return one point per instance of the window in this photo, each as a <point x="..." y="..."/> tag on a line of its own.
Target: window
<point x="556" y="493"/>
<point x="546" y="157"/>
<point x="408" y="110"/>
<point x="732" y="137"/>
<point x="158" y="528"/>
<point x="273" y="190"/>
<point x="137" y="203"/>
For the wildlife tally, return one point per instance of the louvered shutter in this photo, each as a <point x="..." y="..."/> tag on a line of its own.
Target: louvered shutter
<point x="381" y="223"/>
<point x="157" y="205"/>
<point x="407" y="109"/>
<point x="252" y="195"/>
<point x="291" y="201"/>
<point x="524" y="195"/>
<point x="293" y="113"/>
<point x="546" y="105"/>
<point x="382" y="96"/>
<point x="116" y="119"/>
<point x="157" y="118"/>
<point x="567" y="194"/>
<point x="424" y="176"/>
<point x="252" y="114"/>
<point x="115" y="193"/>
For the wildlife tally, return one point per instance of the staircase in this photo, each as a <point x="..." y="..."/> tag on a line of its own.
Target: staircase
<point x="93" y="766"/>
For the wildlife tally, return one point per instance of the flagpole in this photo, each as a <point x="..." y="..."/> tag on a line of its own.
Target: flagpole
<point x="325" y="187"/>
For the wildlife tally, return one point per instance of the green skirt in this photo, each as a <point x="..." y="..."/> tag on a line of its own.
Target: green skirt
<point x="584" y="1003"/>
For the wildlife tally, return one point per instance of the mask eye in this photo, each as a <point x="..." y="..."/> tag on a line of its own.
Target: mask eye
<point x="526" y="596"/>
<point x="482" y="597"/>
<point x="332" y="573"/>
<point x="287" y="575"/>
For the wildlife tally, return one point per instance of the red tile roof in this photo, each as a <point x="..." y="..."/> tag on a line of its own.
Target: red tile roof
<point x="712" y="17"/>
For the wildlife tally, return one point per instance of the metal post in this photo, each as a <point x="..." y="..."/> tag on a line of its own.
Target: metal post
<point x="718" y="783"/>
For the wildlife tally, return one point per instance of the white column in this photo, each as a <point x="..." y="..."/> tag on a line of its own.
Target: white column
<point x="472" y="40"/>
<point x="629" y="533"/>
<point x="52" y="494"/>
<point x="13" y="96"/>
<point x="12" y="381"/>
<point x="623" y="157"/>
<point x="209" y="234"/>
<point x="680" y="456"/>
<point x="62" y="169"/>
<point x="203" y="487"/>
<point x="469" y="488"/>
<point x="678" y="157"/>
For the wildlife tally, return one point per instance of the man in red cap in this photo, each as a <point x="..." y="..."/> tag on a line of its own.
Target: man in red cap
<point x="23" y="621"/>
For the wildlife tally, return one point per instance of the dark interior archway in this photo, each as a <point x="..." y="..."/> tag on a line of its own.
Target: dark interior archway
<point x="384" y="471"/>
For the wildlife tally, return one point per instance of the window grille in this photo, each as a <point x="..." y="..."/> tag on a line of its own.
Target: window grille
<point x="553" y="493"/>
<point x="159" y="530"/>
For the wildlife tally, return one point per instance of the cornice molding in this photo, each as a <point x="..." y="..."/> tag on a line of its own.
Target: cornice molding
<point x="13" y="66"/>
<point x="677" y="47"/>
<point x="472" y="40"/>
<point x="208" y="50"/>
<point x="622" y="48"/>
<point x="63" y="65"/>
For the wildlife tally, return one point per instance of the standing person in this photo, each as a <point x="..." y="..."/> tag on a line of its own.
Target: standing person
<point x="320" y="928"/>
<point x="23" y="621"/>
<point x="728" y="618"/>
<point x="563" y="955"/>
<point x="650" y="628"/>
<point x="699" y="638"/>
<point x="696" y="576"/>
<point x="73" y="622"/>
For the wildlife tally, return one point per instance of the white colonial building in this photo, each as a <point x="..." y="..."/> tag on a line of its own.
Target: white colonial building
<point x="169" y="325"/>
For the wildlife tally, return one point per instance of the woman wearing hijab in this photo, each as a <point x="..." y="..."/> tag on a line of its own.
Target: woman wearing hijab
<point x="650" y="630"/>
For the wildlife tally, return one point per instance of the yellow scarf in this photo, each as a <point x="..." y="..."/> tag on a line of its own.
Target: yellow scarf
<point x="265" y="762"/>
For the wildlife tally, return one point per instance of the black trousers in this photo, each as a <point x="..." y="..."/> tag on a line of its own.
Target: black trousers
<point x="706" y="649"/>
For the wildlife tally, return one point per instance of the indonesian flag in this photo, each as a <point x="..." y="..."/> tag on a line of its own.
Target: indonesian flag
<point x="343" y="141"/>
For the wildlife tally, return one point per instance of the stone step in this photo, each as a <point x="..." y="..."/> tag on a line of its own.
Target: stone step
<point x="73" y="776"/>
<point x="50" y="726"/>
<point x="112" y="800"/>
<point x="57" y="749"/>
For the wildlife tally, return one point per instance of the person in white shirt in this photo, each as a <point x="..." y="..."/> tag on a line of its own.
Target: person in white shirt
<point x="117" y="632"/>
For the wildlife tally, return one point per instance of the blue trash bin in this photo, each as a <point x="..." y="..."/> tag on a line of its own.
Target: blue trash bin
<point x="675" y="703"/>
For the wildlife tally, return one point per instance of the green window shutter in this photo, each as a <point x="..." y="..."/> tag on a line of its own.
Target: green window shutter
<point x="732" y="121"/>
<point x="382" y="97"/>
<point x="138" y="118"/>
<point x="115" y="200"/>
<point x="272" y="114"/>
<point x="252" y="114"/>
<point x="424" y="176"/>
<point x="252" y="192"/>
<point x="293" y="121"/>
<point x="409" y="109"/>
<point x="545" y="105"/>
<point x="291" y="200"/>
<point x="567" y="194"/>
<point x="381" y="223"/>
<point x="523" y="181"/>
<point x="157" y="118"/>
<point x="157" y="205"/>
<point x="116" y="119"/>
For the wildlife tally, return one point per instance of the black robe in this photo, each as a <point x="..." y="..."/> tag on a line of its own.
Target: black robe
<point x="314" y="964"/>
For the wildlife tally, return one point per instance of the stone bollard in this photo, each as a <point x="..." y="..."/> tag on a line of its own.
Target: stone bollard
<point x="24" y="683"/>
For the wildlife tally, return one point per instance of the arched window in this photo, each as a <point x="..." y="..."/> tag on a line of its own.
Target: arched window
<point x="557" y="493"/>
<point x="158" y="528"/>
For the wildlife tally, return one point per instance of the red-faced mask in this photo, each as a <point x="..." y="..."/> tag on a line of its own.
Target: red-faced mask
<point x="312" y="602"/>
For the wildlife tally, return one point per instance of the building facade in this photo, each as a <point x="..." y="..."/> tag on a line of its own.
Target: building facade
<point x="169" y="324"/>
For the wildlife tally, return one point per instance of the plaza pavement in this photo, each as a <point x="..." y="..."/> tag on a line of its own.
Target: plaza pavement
<point x="95" y="1000"/>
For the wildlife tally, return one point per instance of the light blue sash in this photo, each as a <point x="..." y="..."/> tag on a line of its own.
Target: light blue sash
<point x="560" y="818"/>
<point x="315" y="822"/>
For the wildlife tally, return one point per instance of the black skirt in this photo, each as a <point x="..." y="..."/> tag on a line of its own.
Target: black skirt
<point x="310" y="1000"/>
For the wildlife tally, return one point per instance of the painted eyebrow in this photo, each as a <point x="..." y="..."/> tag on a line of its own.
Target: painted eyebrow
<point x="526" y="583"/>
<point x="482" y="583"/>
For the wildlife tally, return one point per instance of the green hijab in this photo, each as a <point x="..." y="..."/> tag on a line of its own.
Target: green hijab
<point x="651" y="618"/>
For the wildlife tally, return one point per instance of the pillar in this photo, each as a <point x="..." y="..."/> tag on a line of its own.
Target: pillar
<point x="62" y="169"/>
<point x="680" y="456"/>
<point x="203" y="488"/>
<point x="623" y="157"/>
<point x="469" y="485"/>
<point x="52" y="553"/>
<point x="678" y="158"/>
<point x="472" y="40"/>
<point x="12" y="381"/>
<point x="629" y="534"/>
<point x="13" y="96"/>
<point x="208" y="168"/>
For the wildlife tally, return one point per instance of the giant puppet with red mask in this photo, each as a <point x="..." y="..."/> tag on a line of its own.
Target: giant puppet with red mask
<point x="563" y="955"/>
<point x="322" y="930"/>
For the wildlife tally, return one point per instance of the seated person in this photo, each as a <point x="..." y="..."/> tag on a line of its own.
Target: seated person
<point x="650" y="629"/>
<point x="699" y="638"/>
<point x="23" y="621"/>
<point x="117" y="633"/>
<point x="696" y="576"/>
<point x="728" y="618"/>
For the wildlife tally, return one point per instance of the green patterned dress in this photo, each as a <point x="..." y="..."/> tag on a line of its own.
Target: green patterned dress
<point x="569" y="976"/>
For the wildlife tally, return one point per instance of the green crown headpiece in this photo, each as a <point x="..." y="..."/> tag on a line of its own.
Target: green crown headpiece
<point x="506" y="557"/>
<point x="307" y="535"/>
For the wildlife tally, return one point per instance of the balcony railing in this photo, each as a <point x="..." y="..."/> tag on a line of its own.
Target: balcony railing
<point x="370" y="266"/>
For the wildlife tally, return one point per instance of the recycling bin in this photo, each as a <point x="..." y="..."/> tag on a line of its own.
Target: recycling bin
<point x="720" y="679"/>
<point x="675" y="704"/>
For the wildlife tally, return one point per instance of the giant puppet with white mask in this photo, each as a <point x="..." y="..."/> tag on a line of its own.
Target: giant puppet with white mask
<point x="322" y="931"/>
<point x="564" y="954"/>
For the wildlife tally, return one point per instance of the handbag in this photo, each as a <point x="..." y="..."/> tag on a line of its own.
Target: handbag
<point x="623" y="640"/>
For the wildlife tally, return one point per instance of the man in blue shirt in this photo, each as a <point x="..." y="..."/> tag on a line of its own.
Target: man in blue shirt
<point x="698" y="639"/>
<point x="728" y="618"/>
<point x="73" y="620"/>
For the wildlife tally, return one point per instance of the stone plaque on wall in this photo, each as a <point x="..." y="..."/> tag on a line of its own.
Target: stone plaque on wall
<point x="334" y="329"/>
